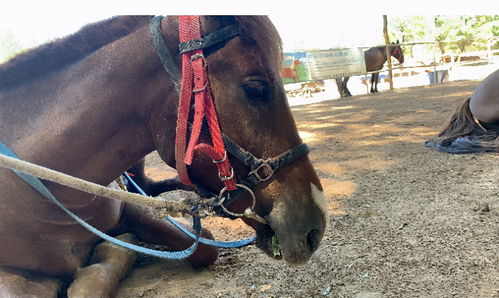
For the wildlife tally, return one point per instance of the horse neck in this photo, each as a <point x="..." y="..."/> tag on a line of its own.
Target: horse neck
<point x="382" y="50"/>
<point x="98" y="124"/>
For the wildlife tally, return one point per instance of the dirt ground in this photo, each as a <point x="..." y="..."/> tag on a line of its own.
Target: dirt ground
<point x="405" y="221"/>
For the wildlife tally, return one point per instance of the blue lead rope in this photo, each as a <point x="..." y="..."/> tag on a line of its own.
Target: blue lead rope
<point x="219" y="244"/>
<point x="36" y="184"/>
<point x="40" y="187"/>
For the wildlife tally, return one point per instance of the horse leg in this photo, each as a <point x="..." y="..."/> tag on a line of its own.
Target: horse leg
<point x="150" y="187"/>
<point x="345" y="81"/>
<point x="376" y="82"/>
<point x="21" y="283"/>
<point x="372" y="82"/>
<point x="110" y="264"/>
<point x="142" y="222"/>
<point x="339" y="84"/>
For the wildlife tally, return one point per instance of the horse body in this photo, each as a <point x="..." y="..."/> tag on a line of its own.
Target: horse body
<point x="96" y="117"/>
<point x="375" y="58"/>
<point x="82" y="140"/>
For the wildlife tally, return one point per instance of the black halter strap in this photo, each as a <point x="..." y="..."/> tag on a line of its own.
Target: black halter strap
<point x="164" y="54"/>
<point x="261" y="170"/>
<point x="221" y="35"/>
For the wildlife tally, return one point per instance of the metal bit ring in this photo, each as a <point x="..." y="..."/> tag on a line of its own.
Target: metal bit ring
<point x="249" y="212"/>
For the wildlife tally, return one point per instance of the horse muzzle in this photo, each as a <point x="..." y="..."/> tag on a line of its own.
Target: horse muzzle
<point x="294" y="234"/>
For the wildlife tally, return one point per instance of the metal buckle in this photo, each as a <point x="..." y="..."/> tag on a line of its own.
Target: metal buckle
<point x="201" y="89"/>
<point x="221" y="160"/>
<point x="265" y="163"/>
<point x="197" y="56"/>
<point x="225" y="178"/>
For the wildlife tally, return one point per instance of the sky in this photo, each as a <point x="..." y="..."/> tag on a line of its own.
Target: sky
<point x="306" y="24"/>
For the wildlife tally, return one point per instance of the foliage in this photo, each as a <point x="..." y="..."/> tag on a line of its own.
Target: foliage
<point x="409" y="28"/>
<point x="9" y="46"/>
<point x="455" y="34"/>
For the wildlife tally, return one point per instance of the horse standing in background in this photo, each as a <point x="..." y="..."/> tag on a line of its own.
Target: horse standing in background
<point x="375" y="59"/>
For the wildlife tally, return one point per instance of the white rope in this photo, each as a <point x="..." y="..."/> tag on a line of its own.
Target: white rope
<point x="175" y="202"/>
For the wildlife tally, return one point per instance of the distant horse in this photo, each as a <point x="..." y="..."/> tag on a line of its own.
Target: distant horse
<point x="474" y="126"/>
<point x="94" y="103"/>
<point x="375" y="58"/>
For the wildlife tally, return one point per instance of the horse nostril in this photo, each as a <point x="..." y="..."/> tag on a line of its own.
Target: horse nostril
<point x="313" y="239"/>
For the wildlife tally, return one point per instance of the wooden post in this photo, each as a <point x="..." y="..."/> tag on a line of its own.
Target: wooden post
<point x="489" y="53"/>
<point x="388" y="53"/>
<point x="435" y="72"/>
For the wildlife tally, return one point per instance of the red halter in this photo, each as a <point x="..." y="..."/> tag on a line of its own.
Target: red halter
<point x="396" y="52"/>
<point x="195" y="80"/>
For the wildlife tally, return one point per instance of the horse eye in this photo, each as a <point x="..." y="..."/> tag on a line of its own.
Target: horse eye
<point x="256" y="89"/>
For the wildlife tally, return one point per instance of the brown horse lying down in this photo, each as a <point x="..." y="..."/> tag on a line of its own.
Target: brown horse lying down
<point x="93" y="104"/>
<point x="474" y="125"/>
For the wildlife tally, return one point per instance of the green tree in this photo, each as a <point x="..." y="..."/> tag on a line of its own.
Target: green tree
<point x="466" y="32"/>
<point x="410" y="28"/>
<point x="9" y="46"/>
<point x="457" y="33"/>
<point x="445" y="30"/>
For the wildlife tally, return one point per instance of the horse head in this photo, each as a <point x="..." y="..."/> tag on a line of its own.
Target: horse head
<point x="397" y="52"/>
<point x="253" y="113"/>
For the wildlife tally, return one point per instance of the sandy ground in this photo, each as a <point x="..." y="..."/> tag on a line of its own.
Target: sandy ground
<point x="405" y="221"/>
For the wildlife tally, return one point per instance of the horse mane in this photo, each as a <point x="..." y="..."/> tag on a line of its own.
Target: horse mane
<point x="62" y="52"/>
<point x="460" y="123"/>
<point x="67" y="50"/>
<point x="462" y="134"/>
